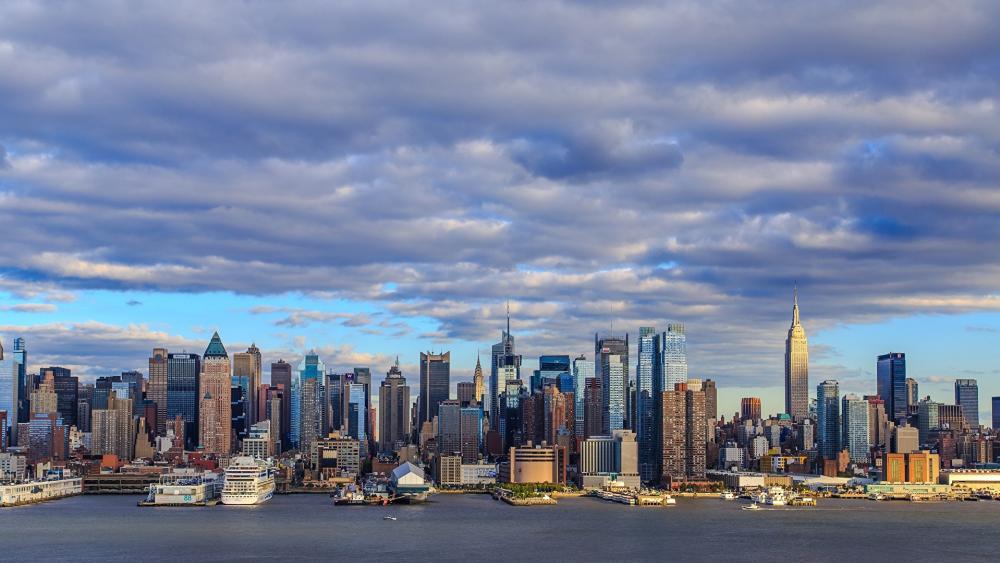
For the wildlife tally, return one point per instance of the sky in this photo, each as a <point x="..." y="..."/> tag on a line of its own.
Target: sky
<point x="373" y="179"/>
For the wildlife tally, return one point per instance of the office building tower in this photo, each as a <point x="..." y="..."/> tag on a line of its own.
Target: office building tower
<point x="905" y="439"/>
<point x="593" y="408"/>
<point x="466" y="392"/>
<point x="683" y="434"/>
<point x="912" y="393"/>
<point x="711" y="400"/>
<point x="555" y="410"/>
<point x="46" y="437"/>
<point x="828" y="418"/>
<point x="393" y="411"/>
<point x="582" y="371"/>
<point x="648" y="368"/>
<point x="135" y="383"/>
<point x="356" y="425"/>
<point x="877" y="421"/>
<point x="335" y="398"/>
<point x="951" y="417"/>
<point x="891" y="381"/>
<point x="247" y="375"/>
<point x="967" y="396"/>
<point x="66" y="388"/>
<point x="24" y="385"/>
<point x="796" y="367"/>
<point x="449" y="428"/>
<point x="603" y="458"/>
<point x="156" y="391"/>
<point x="238" y="415"/>
<point x="750" y="408"/>
<point x="113" y="429"/>
<point x="9" y="398"/>
<point x="85" y="406"/>
<point x="512" y="419"/>
<point x="551" y="369"/>
<point x="855" y="430"/>
<point x="43" y="398"/>
<point x="309" y="403"/>
<point x="281" y="377"/>
<point x="435" y="383"/>
<point x="479" y="383"/>
<point x="995" y="401"/>
<point x="675" y="366"/>
<point x="363" y="376"/>
<point x="611" y="363"/>
<point x="928" y="419"/>
<point x="505" y="366"/>
<point x="183" y="383"/>
<point x="214" y="407"/>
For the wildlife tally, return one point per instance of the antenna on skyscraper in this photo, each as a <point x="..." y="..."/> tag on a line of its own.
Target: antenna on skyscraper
<point x="508" y="316"/>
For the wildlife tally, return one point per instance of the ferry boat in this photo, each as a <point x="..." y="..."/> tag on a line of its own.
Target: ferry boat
<point x="777" y="497"/>
<point x="185" y="487"/>
<point x="248" y="481"/>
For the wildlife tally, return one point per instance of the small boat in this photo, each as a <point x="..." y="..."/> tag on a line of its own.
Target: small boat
<point x="751" y="506"/>
<point x="669" y="500"/>
<point x="727" y="495"/>
<point x="387" y="517"/>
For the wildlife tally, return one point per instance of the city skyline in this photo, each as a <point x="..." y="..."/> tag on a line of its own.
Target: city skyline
<point x="317" y="179"/>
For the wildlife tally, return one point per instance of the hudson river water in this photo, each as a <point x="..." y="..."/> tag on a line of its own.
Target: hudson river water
<point x="477" y="528"/>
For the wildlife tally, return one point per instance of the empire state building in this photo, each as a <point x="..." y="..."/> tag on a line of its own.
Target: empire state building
<point x="796" y="367"/>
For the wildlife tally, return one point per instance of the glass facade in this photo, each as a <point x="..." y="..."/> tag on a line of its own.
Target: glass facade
<point x="675" y="365"/>
<point x="183" y="372"/>
<point x="891" y="384"/>
<point x="855" y="430"/>
<point x="828" y="418"/>
<point x="582" y="370"/>
<point x="967" y="396"/>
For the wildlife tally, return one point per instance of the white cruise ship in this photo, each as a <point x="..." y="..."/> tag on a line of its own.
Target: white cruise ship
<point x="248" y="481"/>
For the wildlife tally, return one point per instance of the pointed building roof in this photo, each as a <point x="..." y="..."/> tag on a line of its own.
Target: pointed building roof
<point x="795" y="306"/>
<point x="215" y="348"/>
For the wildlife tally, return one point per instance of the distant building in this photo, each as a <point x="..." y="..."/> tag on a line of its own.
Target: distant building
<point x="281" y="377"/>
<point x="928" y="419"/>
<point x="828" y="418"/>
<point x="156" y="389"/>
<point x="309" y="402"/>
<point x="996" y="413"/>
<point x="611" y="363"/>
<point x="214" y="409"/>
<point x="750" y="408"/>
<point x="183" y="378"/>
<point x="603" y="458"/>
<point x="682" y="432"/>
<point x="394" y="411"/>
<point x="537" y="464"/>
<point x="891" y="384"/>
<point x="582" y="371"/>
<point x="967" y="396"/>
<point x="855" y="430"/>
<point x="247" y="375"/>
<point x="916" y="467"/>
<point x="592" y="408"/>
<point x="796" y="367"/>
<point x="505" y="365"/>
<point x="435" y="382"/>
<point x="912" y="392"/>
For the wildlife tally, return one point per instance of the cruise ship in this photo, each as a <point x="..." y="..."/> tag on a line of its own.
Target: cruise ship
<point x="248" y="481"/>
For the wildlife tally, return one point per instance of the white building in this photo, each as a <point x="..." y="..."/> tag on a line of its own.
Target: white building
<point x="13" y="467"/>
<point x="758" y="447"/>
<point x="479" y="473"/>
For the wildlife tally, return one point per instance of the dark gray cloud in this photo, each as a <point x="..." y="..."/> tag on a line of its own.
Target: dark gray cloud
<point x="682" y="161"/>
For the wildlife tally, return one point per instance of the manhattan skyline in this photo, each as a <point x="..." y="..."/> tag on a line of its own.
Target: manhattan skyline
<point x="320" y="178"/>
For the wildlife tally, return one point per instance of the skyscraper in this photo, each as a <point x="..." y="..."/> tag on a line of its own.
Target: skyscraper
<point x="582" y="371"/>
<point x="183" y="384"/>
<point x="996" y="412"/>
<point x="611" y="363"/>
<point x="828" y="418"/>
<point x="967" y="396"/>
<point x="891" y="381"/>
<point x="750" y="408"/>
<point x="593" y="419"/>
<point x="711" y="400"/>
<point x="435" y="383"/>
<point x="156" y="391"/>
<point x="247" y="376"/>
<point x="796" y="366"/>
<point x="855" y="429"/>
<point x="478" y="382"/>
<point x="281" y="377"/>
<point x="9" y="399"/>
<point x="552" y="368"/>
<point x="23" y="412"/>
<point x="393" y="411"/>
<point x="675" y="365"/>
<point x="647" y="372"/>
<point x="683" y="434"/>
<point x="505" y="366"/>
<point x="912" y="393"/>
<point x="214" y="409"/>
<point x="309" y="401"/>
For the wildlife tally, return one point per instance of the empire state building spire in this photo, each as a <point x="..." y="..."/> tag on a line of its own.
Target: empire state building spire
<point x="795" y="306"/>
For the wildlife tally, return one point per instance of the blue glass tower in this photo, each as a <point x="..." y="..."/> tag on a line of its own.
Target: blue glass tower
<point x="891" y="384"/>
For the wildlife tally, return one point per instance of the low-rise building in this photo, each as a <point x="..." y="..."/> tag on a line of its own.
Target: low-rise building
<point x="537" y="464"/>
<point x="479" y="474"/>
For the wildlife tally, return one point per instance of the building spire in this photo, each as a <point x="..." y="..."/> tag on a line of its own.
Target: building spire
<point x="508" y="316"/>
<point x="795" y="304"/>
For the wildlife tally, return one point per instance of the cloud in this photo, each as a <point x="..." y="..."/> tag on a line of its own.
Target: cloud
<point x="31" y="308"/>
<point x="689" y="165"/>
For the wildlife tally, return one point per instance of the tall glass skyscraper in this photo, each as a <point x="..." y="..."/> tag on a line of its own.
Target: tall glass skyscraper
<point x="582" y="371"/>
<point x="505" y="366"/>
<point x="20" y="354"/>
<point x="183" y="374"/>
<point x="9" y="369"/>
<point x="611" y="363"/>
<point x="796" y="367"/>
<point x="308" y="409"/>
<point x="435" y="384"/>
<point x="828" y="418"/>
<point x="891" y="384"/>
<point x="855" y="428"/>
<point x="551" y="369"/>
<point x="647" y="375"/>
<point x="967" y="396"/>
<point x="675" y="365"/>
<point x="996" y="412"/>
